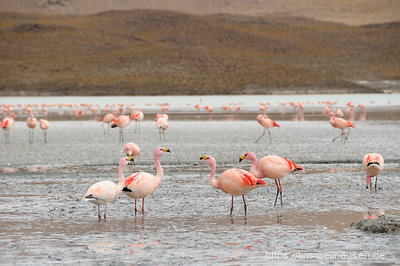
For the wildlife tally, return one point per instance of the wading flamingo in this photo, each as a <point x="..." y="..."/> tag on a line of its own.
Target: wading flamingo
<point x="103" y="192"/>
<point x="142" y="184"/>
<point x="372" y="164"/>
<point x="233" y="181"/>
<point x="122" y="122"/>
<point x="266" y="123"/>
<point x="44" y="125"/>
<point x="341" y="124"/>
<point x="131" y="149"/>
<point x="137" y="116"/>
<point x="162" y="124"/>
<point x="271" y="166"/>
<point x="6" y="124"/>
<point x="31" y="123"/>
<point x="107" y="119"/>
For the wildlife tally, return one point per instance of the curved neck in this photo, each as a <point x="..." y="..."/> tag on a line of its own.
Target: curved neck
<point x="212" y="180"/>
<point x="160" y="171"/>
<point x="253" y="168"/>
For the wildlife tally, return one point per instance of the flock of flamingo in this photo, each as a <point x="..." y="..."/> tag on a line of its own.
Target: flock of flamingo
<point x="236" y="182"/>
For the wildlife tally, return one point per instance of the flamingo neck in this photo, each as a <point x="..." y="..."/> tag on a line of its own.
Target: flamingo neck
<point x="121" y="179"/>
<point x="212" y="180"/>
<point x="160" y="171"/>
<point x="254" y="164"/>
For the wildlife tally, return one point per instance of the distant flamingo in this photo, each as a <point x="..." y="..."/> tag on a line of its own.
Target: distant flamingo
<point x="338" y="112"/>
<point x="162" y="123"/>
<point x="137" y="116"/>
<point x="233" y="181"/>
<point x="31" y="123"/>
<point x="122" y="122"/>
<point x="44" y="125"/>
<point x="271" y="166"/>
<point x="6" y="124"/>
<point x="266" y="123"/>
<point x="373" y="165"/>
<point x="103" y="192"/>
<point x="142" y="184"/>
<point x="107" y="119"/>
<point x="341" y="124"/>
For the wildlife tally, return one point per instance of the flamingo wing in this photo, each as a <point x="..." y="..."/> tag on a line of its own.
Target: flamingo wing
<point x="250" y="179"/>
<point x="292" y="166"/>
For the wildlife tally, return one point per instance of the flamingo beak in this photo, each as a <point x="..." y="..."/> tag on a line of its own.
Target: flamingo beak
<point x="166" y="150"/>
<point x="203" y="157"/>
<point x="131" y="160"/>
<point x="241" y="158"/>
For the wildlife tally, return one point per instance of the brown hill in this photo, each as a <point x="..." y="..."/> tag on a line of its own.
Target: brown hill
<point x="164" y="52"/>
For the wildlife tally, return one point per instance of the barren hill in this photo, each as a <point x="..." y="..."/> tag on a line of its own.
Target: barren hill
<point x="167" y="52"/>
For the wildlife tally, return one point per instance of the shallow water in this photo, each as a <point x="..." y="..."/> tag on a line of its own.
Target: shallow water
<point x="186" y="221"/>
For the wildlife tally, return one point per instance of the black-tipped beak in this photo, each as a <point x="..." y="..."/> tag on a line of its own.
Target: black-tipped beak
<point x="168" y="151"/>
<point x="113" y="125"/>
<point x="373" y="163"/>
<point x="201" y="158"/>
<point x="240" y="160"/>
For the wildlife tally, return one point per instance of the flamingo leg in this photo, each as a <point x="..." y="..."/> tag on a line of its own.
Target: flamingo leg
<point x="98" y="212"/>
<point x="245" y="206"/>
<point x="231" y="207"/>
<point x="143" y="205"/>
<point x="163" y="132"/>
<point x="135" y="208"/>
<point x="368" y="181"/>
<point x="105" y="212"/>
<point x="376" y="181"/>
<point x="104" y="130"/>
<point x="261" y="135"/>
<point x="280" y="189"/>
<point x="136" y="127"/>
<point x="341" y="135"/>
<point x="45" y="136"/>
<point x="269" y="134"/>
<point x="347" y="135"/>
<point x="139" y="126"/>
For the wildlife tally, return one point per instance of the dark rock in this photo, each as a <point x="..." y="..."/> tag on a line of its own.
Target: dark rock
<point x="387" y="223"/>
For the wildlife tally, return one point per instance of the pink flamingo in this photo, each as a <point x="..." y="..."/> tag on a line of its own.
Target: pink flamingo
<point x="31" y="123"/>
<point x="103" y="192"/>
<point x="342" y="124"/>
<point x="131" y="149"/>
<point x="233" y="181"/>
<point x="162" y="123"/>
<point x="6" y="124"/>
<point x="107" y="119"/>
<point x="137" y="116"/>
<point x="271" y="166"/>
<point x="44" y="125"/>
<point x="142" y="184"/>
<point x="372" y="164"/>
<point x="338" y="112"/>
<point x="122" y="122"/>
<point x="266" y="123"/>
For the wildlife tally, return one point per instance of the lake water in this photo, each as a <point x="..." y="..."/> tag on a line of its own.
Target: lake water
<point x="186" y="221"/>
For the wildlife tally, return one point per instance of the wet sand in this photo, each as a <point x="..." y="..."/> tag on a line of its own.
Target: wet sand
<point x="186" y="221"/>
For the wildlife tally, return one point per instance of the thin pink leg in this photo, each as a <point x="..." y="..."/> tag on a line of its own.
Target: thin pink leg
<point x="231" y="207"/>
<point x="98" y="212"/>
<point x="143" y="206"/>
<point x="245" y="206"/>
<point x="105" y="212"/>
<point x="135" y="207"/>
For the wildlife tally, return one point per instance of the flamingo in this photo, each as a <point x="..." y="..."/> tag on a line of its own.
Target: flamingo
<point x="341" y="124"/>
<point x="122" y="122"/>
<point x="271" y="166"/>
<point x="6" y="124"/>
<point x="372" y="164"/>
<point x="266" y="123"/>
<point x="137" y="116"/>
<point x="131" y="149"/>
<point x="31" y="123"/>
<point x="233" y="181"/>
<point x="44" y="125"/>
<point x="107" y="119"/>
<point x="142" y="184"/>
<point x="162" y="123"/>
<point x="103" y="192"/>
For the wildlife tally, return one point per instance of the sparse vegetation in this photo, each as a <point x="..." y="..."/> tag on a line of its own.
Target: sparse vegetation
<point x="147" y="52"/>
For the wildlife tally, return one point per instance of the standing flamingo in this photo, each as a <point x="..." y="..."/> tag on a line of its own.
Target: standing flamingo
<point x="162" y="123"/>
<point x="31" y="123"/>
<point x="142" y="184"/>
<point x="131" y="149"/>
<point x="107" y="119"/>
<point x="44" y="125"/>
<point x="266" y="123"/>
<point x="373" y="165"/>
<point x="233" y="181"/>
<point x="6" y="124"/>
<point x="271" y="166"/>
<point x="137" y="116"/>
<point x="103" y="192"/>
<point x="342" y="124"/>
<point x="122" y="122"/>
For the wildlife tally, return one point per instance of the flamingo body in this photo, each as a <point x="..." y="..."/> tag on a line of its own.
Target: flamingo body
<point x="131" y="149"/>
<point x="266" y="123"/>
<point x="341" y="124"/>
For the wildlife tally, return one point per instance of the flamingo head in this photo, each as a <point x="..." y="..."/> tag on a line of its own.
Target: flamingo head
<point x="208" y="159"/>
<point x="126" y="161"/>
<point x="160" y="151"/>
<point x="12" y="115"/>
<point x="331" y="114"/>
<point x="248" y="156"/>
